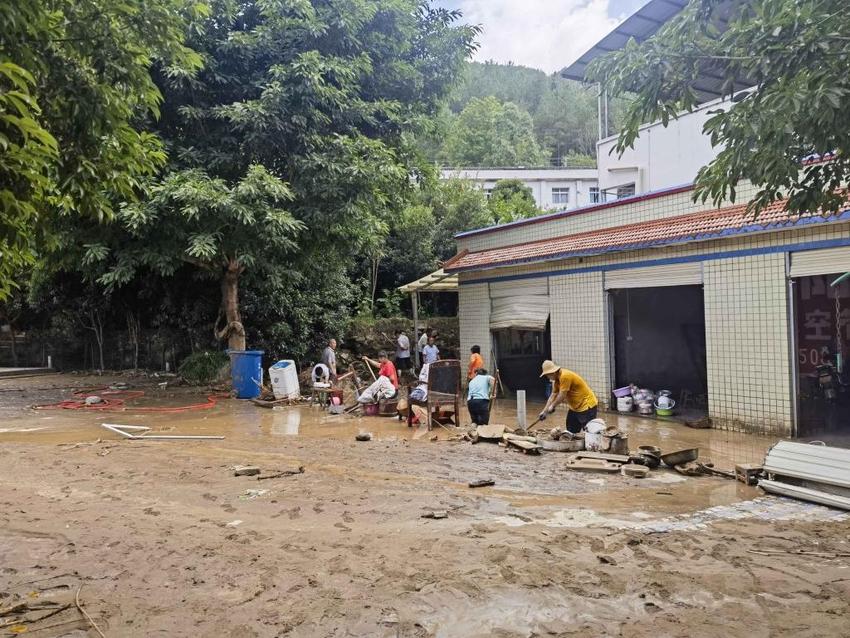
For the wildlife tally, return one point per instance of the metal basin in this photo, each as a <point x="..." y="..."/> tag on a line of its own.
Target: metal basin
<point x="681" y="456"/>
<point x="576" y="445"/>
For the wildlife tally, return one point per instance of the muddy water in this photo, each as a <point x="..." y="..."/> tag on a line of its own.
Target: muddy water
<point x="282" y="431"/>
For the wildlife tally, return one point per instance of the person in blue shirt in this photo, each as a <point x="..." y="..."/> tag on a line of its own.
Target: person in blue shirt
<point x="478" y="397"/>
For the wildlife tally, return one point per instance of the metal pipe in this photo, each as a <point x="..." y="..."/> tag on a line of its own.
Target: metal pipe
<point x="174" y="436"/>
<point x="794" y="373"/>
<point x="116" y="430"/>
<point x="414" y="301"/>
<point x="121" y="429"/>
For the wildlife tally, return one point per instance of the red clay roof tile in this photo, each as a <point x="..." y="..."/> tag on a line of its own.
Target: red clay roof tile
<point x="700" y="226"/>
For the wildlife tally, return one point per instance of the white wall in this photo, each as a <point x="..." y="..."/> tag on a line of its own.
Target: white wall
<point x="541" y="181"/>
<point x="661" y="157"/>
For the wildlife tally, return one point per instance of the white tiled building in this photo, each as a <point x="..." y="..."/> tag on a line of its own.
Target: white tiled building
<point x="730" y="313"/>
<point x="552" y="188"/>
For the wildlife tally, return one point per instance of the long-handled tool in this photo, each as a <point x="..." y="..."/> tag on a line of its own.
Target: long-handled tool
<point x="528" y="429"/>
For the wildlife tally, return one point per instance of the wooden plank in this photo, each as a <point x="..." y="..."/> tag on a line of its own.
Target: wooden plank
<point x="525" y="446"/>
<point x="593" y="465"/>
<point x="617" y="458"/>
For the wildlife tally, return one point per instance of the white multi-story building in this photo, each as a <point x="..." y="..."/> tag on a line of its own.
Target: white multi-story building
<point x="662" y="156"/>
<point x="732" y="314"/>
<point x="552" y="188"/>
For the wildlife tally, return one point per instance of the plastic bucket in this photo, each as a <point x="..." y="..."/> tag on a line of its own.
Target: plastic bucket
<point x="623" y="392"/>
<point x="625" y="404"/>
<point x="246" y="372"/>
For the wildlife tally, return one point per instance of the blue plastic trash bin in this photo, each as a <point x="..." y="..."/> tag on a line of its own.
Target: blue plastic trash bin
<point x="246" y="372"/>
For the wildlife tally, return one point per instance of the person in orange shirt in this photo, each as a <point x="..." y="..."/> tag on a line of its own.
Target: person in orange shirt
<point x="568" y="387"/>
<point x="476" y="361"/>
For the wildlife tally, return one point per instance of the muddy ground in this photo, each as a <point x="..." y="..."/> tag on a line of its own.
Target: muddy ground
<point x="164" y="540"/>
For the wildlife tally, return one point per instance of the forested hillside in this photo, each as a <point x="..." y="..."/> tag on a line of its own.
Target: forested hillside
<point x="559" y="114"/>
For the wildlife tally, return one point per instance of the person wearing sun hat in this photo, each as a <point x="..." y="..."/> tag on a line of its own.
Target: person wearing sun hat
<point x="568" y="387"/>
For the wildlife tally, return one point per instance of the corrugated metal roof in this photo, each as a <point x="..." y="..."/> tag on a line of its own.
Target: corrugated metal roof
<point x="702" y="226"/>
<point x="807" y="462"/>
<point x="642" y="25"/>
<point x="805" y="494"/>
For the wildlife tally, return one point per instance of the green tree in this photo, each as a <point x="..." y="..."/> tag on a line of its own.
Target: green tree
<point x="74" y="81"/>
<point x="489" y="133"/>
<point x="794" y="53"/>
<point x="563" y="111"/>
<point x="219" y="228"/>
<point x="565" y="119"/>
<point x="458" y="205"/>
<point x="296" y="109"/>
<point x="511" y="200"/>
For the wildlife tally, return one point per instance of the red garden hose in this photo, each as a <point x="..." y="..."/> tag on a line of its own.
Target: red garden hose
<point x="114" y="401"/>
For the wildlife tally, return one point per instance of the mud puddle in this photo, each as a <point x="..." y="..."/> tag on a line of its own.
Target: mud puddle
<point x="309" y="433"/>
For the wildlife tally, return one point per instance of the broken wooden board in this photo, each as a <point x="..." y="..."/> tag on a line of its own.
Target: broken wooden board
<point x="492" y="432"/>
<point x="593" y="465"/>
<point x="634" y="471"/>
<point x="519" y="437"/>
<point x="615" y="458"/>
<point x="527" y="447"/>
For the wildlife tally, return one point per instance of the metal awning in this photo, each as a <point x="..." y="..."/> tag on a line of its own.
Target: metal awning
<point x="437" y="281"/>
<point x="642" y="25"/>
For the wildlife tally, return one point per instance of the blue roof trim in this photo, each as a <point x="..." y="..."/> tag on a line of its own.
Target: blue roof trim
<point x="670" y="190"/>
<point x="729" y="232"/>
<point x="727" y="254"/>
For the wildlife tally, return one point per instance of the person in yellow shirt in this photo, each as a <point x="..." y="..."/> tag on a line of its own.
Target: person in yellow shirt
<point x="568" y="387"/>
<point x="476" y="361"/>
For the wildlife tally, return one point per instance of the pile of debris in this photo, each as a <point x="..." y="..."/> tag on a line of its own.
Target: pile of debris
<point x="600" y="448"/>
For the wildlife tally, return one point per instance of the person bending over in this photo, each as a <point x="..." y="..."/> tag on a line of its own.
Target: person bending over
<point x="568" y="387"/>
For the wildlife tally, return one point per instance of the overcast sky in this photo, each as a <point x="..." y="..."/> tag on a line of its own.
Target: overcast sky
<point x="544" y="34"/>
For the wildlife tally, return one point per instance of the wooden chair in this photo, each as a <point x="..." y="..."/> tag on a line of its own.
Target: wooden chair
<point x="443" y="388"/>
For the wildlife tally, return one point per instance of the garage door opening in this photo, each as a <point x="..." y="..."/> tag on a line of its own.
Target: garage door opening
<point x="659" y="343"/>
<point x="822" y="318"/>
<point x="520" y="354"/>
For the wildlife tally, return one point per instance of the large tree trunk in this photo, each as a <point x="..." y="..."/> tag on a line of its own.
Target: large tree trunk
<point x="233" y="330"/>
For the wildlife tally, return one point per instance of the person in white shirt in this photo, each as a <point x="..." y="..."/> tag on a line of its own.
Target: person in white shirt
<point x="431" y="352"/>
<point x="402" y="352"/>
<point x="421" y="343"/>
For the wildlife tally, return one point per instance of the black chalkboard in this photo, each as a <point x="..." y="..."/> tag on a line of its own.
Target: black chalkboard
<point x="444" y="376"/>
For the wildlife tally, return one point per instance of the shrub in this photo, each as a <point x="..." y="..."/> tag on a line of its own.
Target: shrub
<point x="202" y="368"/>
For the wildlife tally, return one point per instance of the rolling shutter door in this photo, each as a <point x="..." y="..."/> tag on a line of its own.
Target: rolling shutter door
<point x="687" y="274"/>
<point x="519" y="304"/>
<point x="820" y="262"/>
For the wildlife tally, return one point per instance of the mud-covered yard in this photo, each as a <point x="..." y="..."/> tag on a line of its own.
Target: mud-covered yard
<point x="164" y="540"/>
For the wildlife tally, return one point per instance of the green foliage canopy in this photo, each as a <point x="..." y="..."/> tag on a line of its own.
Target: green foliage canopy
<point x="490" y="133"/>
<point x="511" y="200"/>
<point x="74" y="79"/>
<point x="296" y="108"/>
<point x="795" y="53"/>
